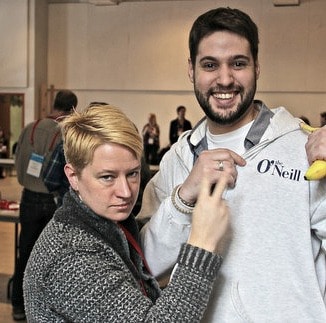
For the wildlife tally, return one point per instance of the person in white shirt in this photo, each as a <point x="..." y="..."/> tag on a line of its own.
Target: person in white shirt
<point x="274" y="267"/>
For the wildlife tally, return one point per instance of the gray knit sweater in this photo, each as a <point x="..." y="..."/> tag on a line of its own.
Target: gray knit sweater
<point x="83" y="270"/>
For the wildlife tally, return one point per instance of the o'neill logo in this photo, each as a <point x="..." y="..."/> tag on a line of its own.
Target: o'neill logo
<point x="275" y="167"/>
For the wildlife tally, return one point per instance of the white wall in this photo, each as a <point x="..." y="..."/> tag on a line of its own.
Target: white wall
<point x="14" y="45"/>
<point x="23" y="53"/>
<point x="134" y="55"/>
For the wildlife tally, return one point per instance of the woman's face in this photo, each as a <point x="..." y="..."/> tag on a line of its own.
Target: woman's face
<point x="109" y="185"/>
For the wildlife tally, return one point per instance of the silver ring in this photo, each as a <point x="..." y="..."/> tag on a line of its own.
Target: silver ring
<point x="220" y="165"/>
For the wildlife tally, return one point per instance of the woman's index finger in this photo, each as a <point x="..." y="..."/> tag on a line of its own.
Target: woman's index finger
<point x="220" y="187"/>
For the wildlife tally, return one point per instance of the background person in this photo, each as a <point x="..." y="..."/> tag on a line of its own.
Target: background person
<point x="87" y="265"/>
<point x="305" y="119"/>
<point x="35" y="145"/>
<point x="322" y="119"/>
<point x="151" y="139"/>
<point x="179" y="125"/>
<point x="54" y="177"/>
<point x="274" y="268"/>
<point x="4" y="148"/>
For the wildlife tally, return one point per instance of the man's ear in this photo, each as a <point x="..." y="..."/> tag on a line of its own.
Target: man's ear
<point x="257" y="70"/>
<point x="190" y="71"/>
<point x="71" y="176"/>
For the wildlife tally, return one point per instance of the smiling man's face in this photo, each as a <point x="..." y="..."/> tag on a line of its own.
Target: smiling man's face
<point x="225" y="77"/>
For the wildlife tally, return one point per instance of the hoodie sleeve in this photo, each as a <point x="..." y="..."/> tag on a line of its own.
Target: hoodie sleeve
<point x="164" y="227"/>
<point x="318" y="229"/>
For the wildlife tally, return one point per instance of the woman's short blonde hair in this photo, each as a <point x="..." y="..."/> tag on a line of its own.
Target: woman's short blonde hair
<point x="85" y="131"/>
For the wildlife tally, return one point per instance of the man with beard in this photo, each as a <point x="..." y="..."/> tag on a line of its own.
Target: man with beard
<point x="274" y="266"/>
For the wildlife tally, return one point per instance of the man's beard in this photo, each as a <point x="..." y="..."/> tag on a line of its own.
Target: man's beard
<point x="233" y="116"/>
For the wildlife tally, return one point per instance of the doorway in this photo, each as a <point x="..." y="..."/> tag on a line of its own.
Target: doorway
<point x="11" y="117"/>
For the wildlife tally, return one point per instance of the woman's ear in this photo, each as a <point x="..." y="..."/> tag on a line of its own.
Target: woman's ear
<point x="71" y="176"/>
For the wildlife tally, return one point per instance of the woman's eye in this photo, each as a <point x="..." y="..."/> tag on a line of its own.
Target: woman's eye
<point x="107" y="177"/>
<point x="134" y="174"/>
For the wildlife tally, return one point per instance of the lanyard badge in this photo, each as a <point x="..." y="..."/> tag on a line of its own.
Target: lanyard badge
<point x="35" y="165"/>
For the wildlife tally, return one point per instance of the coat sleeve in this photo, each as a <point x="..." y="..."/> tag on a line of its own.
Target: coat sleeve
<point x="93" y="287"/>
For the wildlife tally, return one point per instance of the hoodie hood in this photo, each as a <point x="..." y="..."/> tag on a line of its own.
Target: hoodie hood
<point x="269" y="125"/>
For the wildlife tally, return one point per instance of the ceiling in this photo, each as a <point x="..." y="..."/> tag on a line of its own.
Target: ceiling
<point x="105" y="2"/>
<point x="116" y="2"/>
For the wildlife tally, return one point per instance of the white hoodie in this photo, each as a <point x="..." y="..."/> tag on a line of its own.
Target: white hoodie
<point x="274" y="267"/>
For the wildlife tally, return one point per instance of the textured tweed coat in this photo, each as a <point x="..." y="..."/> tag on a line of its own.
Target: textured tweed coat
<point x="83" y="270"/>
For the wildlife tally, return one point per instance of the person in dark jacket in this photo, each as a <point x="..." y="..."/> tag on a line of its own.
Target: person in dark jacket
<point x="87" y="265"/>
<point x="179" y="125"/>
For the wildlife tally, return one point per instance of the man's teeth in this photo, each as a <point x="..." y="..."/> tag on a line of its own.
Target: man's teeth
<point x="224" y="96"/>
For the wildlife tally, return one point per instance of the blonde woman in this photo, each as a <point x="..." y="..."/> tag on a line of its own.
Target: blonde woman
<point x="87" y="265"/>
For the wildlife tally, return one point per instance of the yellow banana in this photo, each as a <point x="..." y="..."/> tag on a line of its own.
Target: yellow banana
<point x="307" y="128"/>
<point x="317" y="169"/>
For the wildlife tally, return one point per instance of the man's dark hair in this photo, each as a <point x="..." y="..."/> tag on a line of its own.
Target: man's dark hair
<point x="223" y="19"/>
<point x="65" y="100"/>
<point x="323" y="114"/>
<point x="180" y="107"/>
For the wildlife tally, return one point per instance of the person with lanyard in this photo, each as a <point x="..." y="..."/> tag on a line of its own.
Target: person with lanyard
<point x="35" y="145"/>
<point x="54" y="176"/>
<point x="87" y="265"/>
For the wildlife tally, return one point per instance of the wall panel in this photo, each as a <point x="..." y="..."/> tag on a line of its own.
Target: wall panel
<point x="14" y="43"/>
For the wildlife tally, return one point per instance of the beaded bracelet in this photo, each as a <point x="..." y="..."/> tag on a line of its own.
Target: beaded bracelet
<point x="182" y="200"/>
<point x="175" y="198"/>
